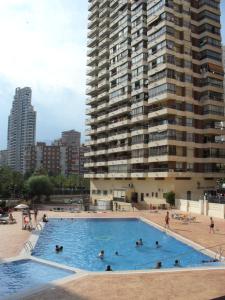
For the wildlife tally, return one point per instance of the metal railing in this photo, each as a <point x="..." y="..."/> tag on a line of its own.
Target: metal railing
<point x="28" y="246"/>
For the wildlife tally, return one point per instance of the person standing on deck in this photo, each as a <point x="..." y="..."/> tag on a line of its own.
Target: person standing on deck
<point x="167" y="220"/>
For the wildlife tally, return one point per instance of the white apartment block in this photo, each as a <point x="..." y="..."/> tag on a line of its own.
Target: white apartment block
<point x="155" y="98"/>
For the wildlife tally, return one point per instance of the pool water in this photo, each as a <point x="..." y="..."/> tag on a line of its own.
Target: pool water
<point x="21" y="275"/>
<point x="83" y="239"/>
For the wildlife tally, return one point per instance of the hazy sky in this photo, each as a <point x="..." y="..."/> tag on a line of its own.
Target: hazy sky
<point x="43" y="45"/>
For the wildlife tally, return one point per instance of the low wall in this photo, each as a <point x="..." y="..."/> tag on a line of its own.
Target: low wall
<point x="202" y="207"/>
<point x="122" y="206"/>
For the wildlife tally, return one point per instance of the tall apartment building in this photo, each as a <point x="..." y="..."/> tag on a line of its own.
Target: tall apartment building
<point x="3" y="158"/>
<point x="155" y="98"/>
<point x="21" y="127"/>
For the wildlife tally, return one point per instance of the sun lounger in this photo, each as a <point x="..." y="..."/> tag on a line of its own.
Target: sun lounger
<point x="7" y="220"/>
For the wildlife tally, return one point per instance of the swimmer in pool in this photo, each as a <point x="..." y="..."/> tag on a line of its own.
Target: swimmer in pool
<point x="101" y="254"/>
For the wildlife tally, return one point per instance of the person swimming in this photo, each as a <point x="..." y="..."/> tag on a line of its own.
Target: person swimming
<point x="158" y="265"/>
<point x="157" y="244"/>
<point x="101" y="254"/>
<point x="139" y="242"/>
<point x="210" y="260"/>
<point x="108" y="268"/>
<point x="117" y="253"/>
<point x="177" y="263"/>
<point x="58" y="248"/>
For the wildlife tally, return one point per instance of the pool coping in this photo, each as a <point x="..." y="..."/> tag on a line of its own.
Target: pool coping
<point x="79" y="273"/>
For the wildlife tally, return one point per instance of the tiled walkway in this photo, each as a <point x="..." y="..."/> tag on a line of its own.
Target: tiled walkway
<point x="170" y="285"/>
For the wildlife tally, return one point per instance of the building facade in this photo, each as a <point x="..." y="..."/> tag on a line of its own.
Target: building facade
<point x="155" y="98"/>
<point x="64" y="156"/>
<point x="3" y="158"/>
<point x="21" y="127"/>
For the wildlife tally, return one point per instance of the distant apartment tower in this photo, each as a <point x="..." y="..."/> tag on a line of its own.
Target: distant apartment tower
<point x="155" y="98"/>
<point x="71" y="138"/>
<point x="224" y="69"/>
<point x="21" y="127"/>
<point x="3" y="158"/>
<point x="64" y="156"/>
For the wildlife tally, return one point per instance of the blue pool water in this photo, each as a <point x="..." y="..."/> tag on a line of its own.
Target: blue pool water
<point x="21" y="275"/>
<point x="82" y="240"/>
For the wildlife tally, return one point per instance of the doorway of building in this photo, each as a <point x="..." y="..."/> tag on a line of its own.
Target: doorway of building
<point x="188" y="195"/>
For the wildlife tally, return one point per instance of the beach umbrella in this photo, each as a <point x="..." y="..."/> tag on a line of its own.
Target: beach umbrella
<point x="21" y="206"/>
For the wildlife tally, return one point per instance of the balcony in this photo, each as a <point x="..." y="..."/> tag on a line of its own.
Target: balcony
<point x="119" y="136"/>
<point x="89" y="154"/>
<point x="90" y="121"/>
<point x="119" y="111"/>
<point x="139" y="118"/>
<point x="89" y="164"/>
<point x="101" y="151"/>
<point x="103" y="84"/>
<point x="121" y="123"/>
<point x="120" y="98"/>
<point x="139" y="160"/>
<point x="103" y="52"/>
<point x="91" y="100"/>
<point x="90" y="131"/>
<point x="119" y="149"/>
<point x="104" y="73"/>
<point x="92" y="80"/>
<point x="102" y="117"/>
<point x="92" y="51"/>
<point x="104" y="22"/>
<point x="91" y="71"/>
<point x="102" y="140"/>
<point x="92" y="91"/>
<point x="118" y="161"/>
<point x="104" y="42"/>
<point x="102" y="128"/>
<point x="103" y="95"/>
<point x="92" y="61"/>
<point x="103" y="63"/>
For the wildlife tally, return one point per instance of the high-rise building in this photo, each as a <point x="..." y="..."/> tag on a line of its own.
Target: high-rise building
<point x="21" y="127"/>
<point x="3" y="158"/>
<point x="71" y="138"/>
<point x="155" y="98"/>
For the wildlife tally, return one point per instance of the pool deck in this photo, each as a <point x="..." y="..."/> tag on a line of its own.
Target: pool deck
<point x="204" y="284"/>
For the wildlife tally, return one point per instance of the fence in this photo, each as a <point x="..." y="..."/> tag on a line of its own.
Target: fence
<point x="202" y="207"/>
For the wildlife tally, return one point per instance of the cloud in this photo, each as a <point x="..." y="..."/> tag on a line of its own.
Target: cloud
<point x="43" y="45"/>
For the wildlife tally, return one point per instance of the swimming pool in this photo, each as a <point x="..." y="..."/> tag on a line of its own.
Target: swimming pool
<point x="82" y="240"/>
<point x="22" y="275"/>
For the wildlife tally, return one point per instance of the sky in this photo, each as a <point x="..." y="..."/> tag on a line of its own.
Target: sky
<point x="43" y="45"/>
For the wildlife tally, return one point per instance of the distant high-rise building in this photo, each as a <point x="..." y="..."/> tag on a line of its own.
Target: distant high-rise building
<point x="71" y="138"/>
<point x="21" y="127"/>
<point x="224" y="69"/>
<point x="3" y="158"/>
<point x="155" y="98"/>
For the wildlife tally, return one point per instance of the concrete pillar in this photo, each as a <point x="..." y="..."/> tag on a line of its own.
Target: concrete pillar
<point x="201" y="207"/>
<point x="206" y="207"/>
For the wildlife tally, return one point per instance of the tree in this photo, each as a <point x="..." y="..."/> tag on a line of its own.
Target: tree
<point x="11" y="183"/>
<point x="39" y="186"/>
<point x="170" y="198"/>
